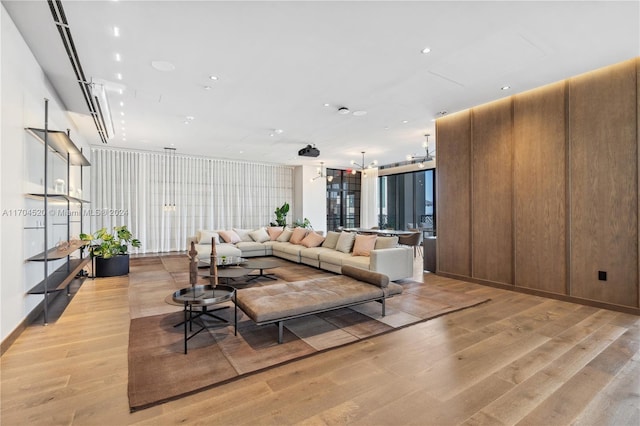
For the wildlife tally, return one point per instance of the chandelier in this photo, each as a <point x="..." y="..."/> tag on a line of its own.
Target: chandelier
<point x="427" y="155"/>
<point x="321" y="173"/>
<point x="362" y="166"/>
<point x="169" y="180"/>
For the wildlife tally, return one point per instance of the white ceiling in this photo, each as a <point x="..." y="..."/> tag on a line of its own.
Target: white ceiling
<point x="278" y="63"/>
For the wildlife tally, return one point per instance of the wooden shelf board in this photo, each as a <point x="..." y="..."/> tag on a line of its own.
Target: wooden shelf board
<point x="56" y="254"/>
<point x="62" y="276"/>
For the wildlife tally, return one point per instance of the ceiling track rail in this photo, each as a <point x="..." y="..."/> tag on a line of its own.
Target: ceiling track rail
<point x="60" y="19"/>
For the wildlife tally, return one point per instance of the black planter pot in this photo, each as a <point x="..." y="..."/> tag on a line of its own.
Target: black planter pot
<point x="112" y="267"/>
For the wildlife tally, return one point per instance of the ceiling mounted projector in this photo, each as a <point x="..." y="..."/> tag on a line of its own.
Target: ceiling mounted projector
<point x="309" y="151"/>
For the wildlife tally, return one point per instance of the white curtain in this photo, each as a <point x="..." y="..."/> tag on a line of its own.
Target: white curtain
<point x="369" y="199"/>
<point x="132" y="187"/>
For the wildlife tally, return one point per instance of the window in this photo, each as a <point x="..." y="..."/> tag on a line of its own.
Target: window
<point x="343" y="200"/>
<point x="407" y="200"/>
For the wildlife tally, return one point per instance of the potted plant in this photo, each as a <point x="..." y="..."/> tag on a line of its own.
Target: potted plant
<point x="281" y="215"/>
<point x="110" y="250"/>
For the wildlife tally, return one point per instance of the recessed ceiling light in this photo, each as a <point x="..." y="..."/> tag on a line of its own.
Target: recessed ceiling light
<point x="343" y="110"/>
<point x="186" y="122"/>
<point x="279" y="131"/>
<point x="119" y="76"/>
<point x="505" y="88"/>
<point x="426" y="50"/>
<point x="122" y="113"/>
<point x="163" y="65"/>
<point x="213" y="77"/>
<point x="190" y="117"/>
<point x="118" y="57"/>
<point x="326" y="105"/>
<point x="116" y="31"/>
<point x="121" y="103"/>
<point x="124" y="139"/>
<point x="359" y="113"/>
<point x="120" y="91"/>
<point x="405" y="121"/>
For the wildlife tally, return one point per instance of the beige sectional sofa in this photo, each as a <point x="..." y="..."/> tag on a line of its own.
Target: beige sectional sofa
<point x="331" y="253"/>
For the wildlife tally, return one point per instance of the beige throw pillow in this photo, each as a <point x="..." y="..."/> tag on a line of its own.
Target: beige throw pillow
<point x="386" y="242"/>
<point x="331" y="240"/>
<point x="259" y="235"/>
<point x="312" y="239"/>
<point x="345" y="242"/>
<point x="363" y="245"/>
<point x="205" y="237"/>
<point x="244" y="234"/>
<point x="285" y="236"/>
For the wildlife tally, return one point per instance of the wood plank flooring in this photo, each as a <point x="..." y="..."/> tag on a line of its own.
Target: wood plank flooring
<point x="519" y="359"/>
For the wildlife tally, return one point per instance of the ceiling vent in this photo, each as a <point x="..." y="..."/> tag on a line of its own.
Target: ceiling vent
<point x="103" y="111"/>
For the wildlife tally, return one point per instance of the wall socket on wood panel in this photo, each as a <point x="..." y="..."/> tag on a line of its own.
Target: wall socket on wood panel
<point x="602" y="275"/>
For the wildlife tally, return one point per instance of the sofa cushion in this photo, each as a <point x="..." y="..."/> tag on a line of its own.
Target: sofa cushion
<point x="370" y="277"/>
<point x="312" y="239"/>
<point x="285" y="236"/>
<point x="314" y="252"/>
<point x="363" y="245"/>
<point x="229" y="237"/>
<point x="386" y="242"/>
<point x="363" y="262"/>
<point x="205" y="237"/>
<point x="331" y="240"/>
<point x="259" y="235"/>
<point x="298" y="235"/>
<point x="345" y="242"/>
<point x="291" y="248"/>
<point x="276" y="301"/>
<point x="334" y="257"/>
<point x="274" y="232"/>
<point x="244" y="234"/>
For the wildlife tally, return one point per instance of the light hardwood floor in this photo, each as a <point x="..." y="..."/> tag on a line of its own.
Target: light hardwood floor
<point x="518" y="359"/>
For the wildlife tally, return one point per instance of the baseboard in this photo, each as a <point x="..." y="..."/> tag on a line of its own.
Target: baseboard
<point x="563" y="297"/>
<point x="13" y="336"/>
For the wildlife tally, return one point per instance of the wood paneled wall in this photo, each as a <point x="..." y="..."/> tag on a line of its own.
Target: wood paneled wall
<point x="539" y="191"/>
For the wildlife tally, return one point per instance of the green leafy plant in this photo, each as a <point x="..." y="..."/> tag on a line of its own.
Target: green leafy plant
<point x="109" y="244"/>
<point x="281" y="215"/>
<point x="302" y="223"/>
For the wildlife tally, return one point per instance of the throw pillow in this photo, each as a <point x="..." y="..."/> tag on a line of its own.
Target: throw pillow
<point x="229" y="237"/>
<point x="363" y="245"/>
<point x="274" y="232"/>
<point x="285" y="236"/>
<point x="298" y="235"/>
<point x="260" y="235"/>
<point x="386" y="242"/>
<point x="345" y="242"/>
<point x="312" y="239"/>
<point x="331" y="240"/>
<point x="244" y="234"/>
<point x="205" y="237"/>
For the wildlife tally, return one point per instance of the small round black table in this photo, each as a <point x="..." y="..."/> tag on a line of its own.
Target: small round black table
<point x="203" y="296"/>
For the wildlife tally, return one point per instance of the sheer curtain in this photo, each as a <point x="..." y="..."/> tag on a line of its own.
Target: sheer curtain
<point x="369" y="197"/>
<point x="132" y="187"/>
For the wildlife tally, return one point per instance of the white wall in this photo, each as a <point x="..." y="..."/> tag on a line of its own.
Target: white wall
<point x="23" y="87"/>
<point x="310" y="198"/>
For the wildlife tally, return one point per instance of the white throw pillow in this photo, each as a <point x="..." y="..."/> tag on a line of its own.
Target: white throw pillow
<point x="244" y="234"/>
<point x="205" y="237"/>
<point x="345" y="242"/>
<point x="259" y="235"/>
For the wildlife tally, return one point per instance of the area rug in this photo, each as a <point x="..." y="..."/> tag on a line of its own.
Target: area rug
<point x="159" y="371"/>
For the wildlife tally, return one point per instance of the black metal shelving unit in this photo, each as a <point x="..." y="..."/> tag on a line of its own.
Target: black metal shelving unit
<point x="58" y="142"/>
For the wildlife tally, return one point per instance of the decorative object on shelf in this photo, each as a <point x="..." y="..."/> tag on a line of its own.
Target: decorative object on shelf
<point x="281" y="215"/>
<point x="59" y="186"/>
<point x="362" y="166"/>
<point x="110" y="250"/>
<point x="321" y="173"/>
<point x="427" y="155"/>
<point x="169" y="180"/>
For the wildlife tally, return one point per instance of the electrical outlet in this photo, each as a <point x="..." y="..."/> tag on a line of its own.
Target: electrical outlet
<point x="602" y="275"/>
